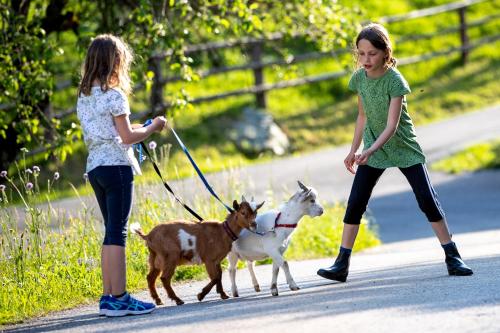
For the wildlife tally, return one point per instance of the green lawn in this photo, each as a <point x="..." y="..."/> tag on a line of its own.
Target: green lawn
<point x="474" y="158"/>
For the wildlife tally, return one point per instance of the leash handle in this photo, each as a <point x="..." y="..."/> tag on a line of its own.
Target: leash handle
<point x="198" y="171"/>
<point x="138" y="147"/>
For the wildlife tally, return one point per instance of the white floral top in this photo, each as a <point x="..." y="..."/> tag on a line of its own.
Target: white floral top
<point x="103" y="142"/>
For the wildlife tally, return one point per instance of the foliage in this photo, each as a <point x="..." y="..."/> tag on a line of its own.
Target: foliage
<point x="474" y="158"/>
<point x="155" y="29"/>
<point x="26" y="81"/>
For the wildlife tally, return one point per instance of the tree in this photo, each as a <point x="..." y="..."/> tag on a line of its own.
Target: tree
<point x="26" y="81"/>
<point x="152" y="27"/>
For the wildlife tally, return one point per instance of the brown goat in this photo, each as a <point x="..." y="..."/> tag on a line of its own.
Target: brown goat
<point x="184" y="242"/>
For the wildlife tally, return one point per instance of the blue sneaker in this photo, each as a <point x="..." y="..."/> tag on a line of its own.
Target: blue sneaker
<point x="129" y="305"/>
<point x="104" y="305"/>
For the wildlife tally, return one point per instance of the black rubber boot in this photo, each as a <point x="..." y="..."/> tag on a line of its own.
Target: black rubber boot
<point x="340" y="269"/>
<point x="454" y="262"/>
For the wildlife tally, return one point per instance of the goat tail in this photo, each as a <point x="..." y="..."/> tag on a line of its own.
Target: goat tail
<point x="136" y="228"/>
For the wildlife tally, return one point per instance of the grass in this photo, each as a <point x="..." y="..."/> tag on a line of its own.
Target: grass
<point x="474" y="158"/>
<point x="54" y="263"/>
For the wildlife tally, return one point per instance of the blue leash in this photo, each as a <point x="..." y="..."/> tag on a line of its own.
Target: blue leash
<point x="207" y="185"/>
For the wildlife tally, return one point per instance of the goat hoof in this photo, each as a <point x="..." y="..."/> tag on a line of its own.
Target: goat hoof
<point x="236" y="295"/>
<point x="158" y="301"/>
<point x="179" y="302"/>
<point x="257" y="288"/>
<point x="294" y="288"/>
<point x="200" y="297"/>
<point x="224" y="296"/>
<point x="274" y="292"/>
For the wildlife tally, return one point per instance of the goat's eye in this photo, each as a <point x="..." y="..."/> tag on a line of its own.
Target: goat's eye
<point x="313" y="201"/>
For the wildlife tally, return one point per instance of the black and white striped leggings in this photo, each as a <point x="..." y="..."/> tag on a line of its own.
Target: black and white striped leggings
<point x="366" y="178"/>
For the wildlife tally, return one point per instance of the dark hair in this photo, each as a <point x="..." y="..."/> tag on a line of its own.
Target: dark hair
<point x="108" y="60"/>
<point x="378" y="36"/>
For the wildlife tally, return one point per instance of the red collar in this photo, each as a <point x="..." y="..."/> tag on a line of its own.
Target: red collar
<point x="277" y="225"/>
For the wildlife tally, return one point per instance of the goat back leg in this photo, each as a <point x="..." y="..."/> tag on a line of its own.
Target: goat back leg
<point x="219" y="287"/>
<point x="289" y="279"/>
<point x="166" y="278"/>
<point x="233" y="262"/>
<point x="151" y="277"/>
<point x="252" y="275"/>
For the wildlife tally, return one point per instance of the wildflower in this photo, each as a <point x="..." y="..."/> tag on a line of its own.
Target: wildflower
<point x="86" y="176"/>
<point x="29" y="186"/>
<point x="36" y="168"/>
<point x="90" y="263"/>
<point x="24" y="150"/>
<point x="2" y="187"/>
<point x="3" y="174"/>
<point x="152" y="145"/>
<point x="56" y="175"/>
<point x="28" y="171"/>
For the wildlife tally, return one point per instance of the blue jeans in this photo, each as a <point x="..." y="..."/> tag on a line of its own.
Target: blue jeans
<point x="113" y="187"/>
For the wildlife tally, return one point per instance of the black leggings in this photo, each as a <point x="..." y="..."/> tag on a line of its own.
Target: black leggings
<point x="113" y="186"/>
<point x="366" y="178"/>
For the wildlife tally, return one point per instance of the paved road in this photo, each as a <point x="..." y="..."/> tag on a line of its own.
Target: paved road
<point x="399" y="286"/>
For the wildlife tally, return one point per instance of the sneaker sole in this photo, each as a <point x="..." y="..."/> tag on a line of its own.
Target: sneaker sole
<point x="122" y="313"/>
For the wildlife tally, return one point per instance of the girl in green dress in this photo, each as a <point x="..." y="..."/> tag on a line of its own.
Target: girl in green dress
<point x="389" y="139"/>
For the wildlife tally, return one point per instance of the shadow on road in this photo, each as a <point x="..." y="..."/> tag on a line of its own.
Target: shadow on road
<point x="470" y="202"/>
<point x="425" y="287"/>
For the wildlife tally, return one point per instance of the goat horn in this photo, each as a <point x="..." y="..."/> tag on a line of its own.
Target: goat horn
<point x="243" y="198"/>
<point x="302" y="186"/>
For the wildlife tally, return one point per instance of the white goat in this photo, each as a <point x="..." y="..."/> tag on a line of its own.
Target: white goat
<point x="274" y="230"/>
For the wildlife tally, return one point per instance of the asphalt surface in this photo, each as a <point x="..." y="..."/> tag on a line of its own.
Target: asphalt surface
<point x="399" y="286"/>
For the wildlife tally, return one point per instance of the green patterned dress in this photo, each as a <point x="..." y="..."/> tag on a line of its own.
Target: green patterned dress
<point x="402" y="149"/>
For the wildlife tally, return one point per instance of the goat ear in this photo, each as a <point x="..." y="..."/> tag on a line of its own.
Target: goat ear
<point x="306" y="195"/>
<point x="302" y="186"/>
<point x="252" y="200"/>
<point x="236" y="206"/>
<point x="259" y="205"/>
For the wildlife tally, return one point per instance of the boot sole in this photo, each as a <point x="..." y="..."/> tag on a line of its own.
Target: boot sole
<point x="326" y="275"/>
<point x="458" y="273"/>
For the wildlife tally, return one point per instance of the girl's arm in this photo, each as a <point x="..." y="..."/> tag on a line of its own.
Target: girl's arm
<point x="387" y="133"/>
<point x="358" y="136"/>
<point x="132" y="133"/>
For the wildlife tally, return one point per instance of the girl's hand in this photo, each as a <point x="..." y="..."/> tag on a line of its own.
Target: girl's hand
<point x="349" y="162"/>
<point x="159" y="123"/>
<point x="362" y="159"/>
